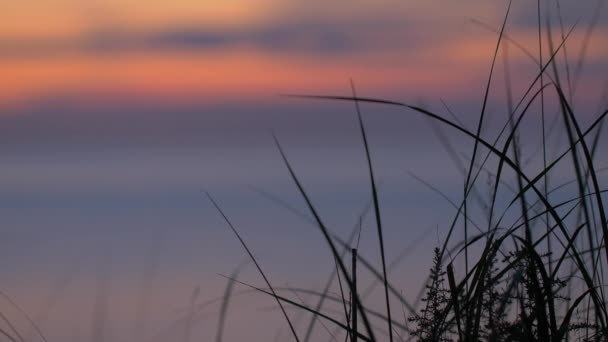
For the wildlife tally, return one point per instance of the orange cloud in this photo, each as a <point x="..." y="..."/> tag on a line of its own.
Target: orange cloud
<point x="397" y="58"/>
<point x="215" y="76"/>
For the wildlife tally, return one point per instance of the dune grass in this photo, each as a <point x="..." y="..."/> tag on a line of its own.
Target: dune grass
<point x="540" y="278"/>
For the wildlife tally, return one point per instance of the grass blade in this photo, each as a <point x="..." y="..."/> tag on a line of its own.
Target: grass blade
<point x="326" y="235"/>
<point x="257" y="265"/>
<point x="376" y="212"/>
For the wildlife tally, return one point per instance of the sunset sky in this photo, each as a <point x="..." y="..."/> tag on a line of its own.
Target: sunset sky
<point x="115" y="114"/>
<point x="193" y="50"/>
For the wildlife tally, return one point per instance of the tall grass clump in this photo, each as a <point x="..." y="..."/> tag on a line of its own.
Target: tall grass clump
<point x="540" y="277"/>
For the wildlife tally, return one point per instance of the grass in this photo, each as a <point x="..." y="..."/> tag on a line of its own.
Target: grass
<point x="540" y="278"/>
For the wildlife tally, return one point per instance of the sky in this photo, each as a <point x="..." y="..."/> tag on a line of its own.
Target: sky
<point x="116" y="114"/>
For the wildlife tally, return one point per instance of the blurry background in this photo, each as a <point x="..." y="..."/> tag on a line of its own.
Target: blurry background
<point x="115" y="114"/>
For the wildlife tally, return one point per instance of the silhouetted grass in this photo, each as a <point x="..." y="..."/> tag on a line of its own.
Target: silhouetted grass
<point x="539" y="278"/>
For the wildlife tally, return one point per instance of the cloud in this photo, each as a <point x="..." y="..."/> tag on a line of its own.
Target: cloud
<point x="375" y="31"/>
<point x="315" y="37"/>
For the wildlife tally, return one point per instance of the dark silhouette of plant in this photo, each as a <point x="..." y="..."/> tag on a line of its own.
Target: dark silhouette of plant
<point x="494" y="317"/>
<point x="431" y="323"/>
<point x="535" y="280"/>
